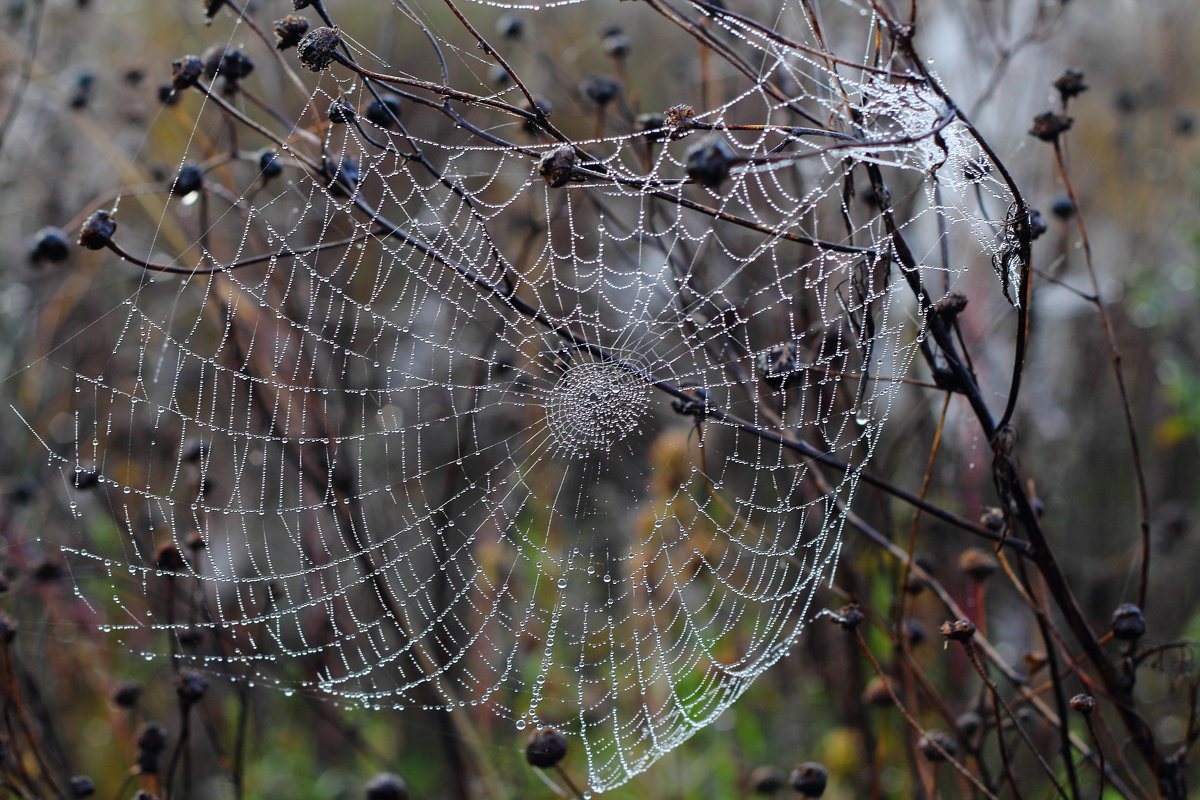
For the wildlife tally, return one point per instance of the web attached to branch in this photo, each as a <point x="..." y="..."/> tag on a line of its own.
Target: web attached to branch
<point x="456" y="414"/>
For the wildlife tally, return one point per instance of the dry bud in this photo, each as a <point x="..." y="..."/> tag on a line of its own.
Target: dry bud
<point x="1049" y="126"/>
<point x="318" y="48"/>
<point x="558" y="167"/>
<point x="709" y="162"/>
<point x="959" y="630"/>
<point x="809" y="779"/>
<point x="1083" y="703"/>
<point x="96" y="234"/>
<point x="186" y="72"/>
<point x="1128" y="622"/>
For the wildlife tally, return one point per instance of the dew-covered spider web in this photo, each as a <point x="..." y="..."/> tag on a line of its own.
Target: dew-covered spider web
<point x="468" y="410"/>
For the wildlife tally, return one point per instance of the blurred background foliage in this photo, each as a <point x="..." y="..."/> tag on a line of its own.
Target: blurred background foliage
<point x="90" y="120"/>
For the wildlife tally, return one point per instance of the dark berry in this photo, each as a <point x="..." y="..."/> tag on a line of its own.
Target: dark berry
<point x="1037" y="225"/>
<point x="601" y="90"/>
<point x="168" y="558"/>
<point x="651" y="126"/>
<point x="558" y="167"/>
<point x="510" y="27"/>
<point x="186" y="72"/>
<point x="211" y="7"/>
<point x="616" y="43"/>
<point x="709" y="162"/>
<point x="167" y="95"/>
<point x="937" y="746"/>
<point x="190" y="687"/>
<point x="341" y="113"/>
<point x="48" y="572"/>
<point x="1128" y="622"/>
<point x="81" y="92"/>
<point x="1063" y="208"/>
<point x="127" y="695"/>
<point x="82" y="786"/>
<point x="385" y="114"/>
<point x="546" y="748"/>
<point x="269" y="165"/>
<point x="190" y="179"/>
<point x="809" y="779"/>
<point x="152" y="738"/>
<point x="849" y="617"/>
<point x="387" y="786"/>
<point x="49" y="245"/>
<point x="766" y="780"/>
<point x="1083" y="703"/>
<point x="959" y="630"/>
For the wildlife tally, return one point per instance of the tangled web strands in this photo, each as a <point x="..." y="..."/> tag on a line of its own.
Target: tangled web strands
<point x="473" y="441"/>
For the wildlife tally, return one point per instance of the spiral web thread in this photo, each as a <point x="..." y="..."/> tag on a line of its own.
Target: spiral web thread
<point x="573" y="510"/>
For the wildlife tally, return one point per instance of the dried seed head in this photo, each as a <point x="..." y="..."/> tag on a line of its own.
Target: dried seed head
<point x="1049" y="126"/>
<point x="558" y="167"/>
<point x="231" y="64"/>
<point x="186" y="72"/>
<point x="546" y="748"/>
<point x="318" y="48"/>
<point x="959" y="630"/>
<point x="152" y="738"/>
<point x="766" y="780"/>
<point x="387" y="786"/>
<point x="1128" y="622"/>
<point x="82" y="786"/>
<point x="168" y="558"/>
<point x="190" y="179"/>
<point x="709" y="162"/>
<point x="127" y="695"/>
<point x="809" y="779"/>
<point x="679" y="119"/>
<point x="289" y="31"/>
<point x="1083" y="703"/>
<point x="937" y="746"/>
<point x="950" y="306"/>
<point x="269" y="165"/>
<point x="190" y="687"/>
<point x="978" y="564"/>
<point x="879" y="691"/>
<point x="849" y="617"/>
<point x="384" y="114"/>
<point x="95" y="234"/>
<point x="49" y="245"/>
<point x="1070" y="84"/>
<point x="616" y="43"/>
<point x="601" y="90"/>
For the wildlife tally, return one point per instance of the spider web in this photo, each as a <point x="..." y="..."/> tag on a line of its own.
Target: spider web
<point x="438" y="432"/>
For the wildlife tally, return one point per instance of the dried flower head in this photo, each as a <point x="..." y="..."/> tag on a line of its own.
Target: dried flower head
<point x="1083" y="703"/>
<point x="558" y="166"/>
<point x="1049" y="126"/>
<point x="186" y="72"/>
<point x="937" y="746"/>
<point x="317" y="49"/>
<point x="95" y="234"/>
<point x="709" y="162"/>
<point x="959" y="630"/>
<point x="289" y="31"/>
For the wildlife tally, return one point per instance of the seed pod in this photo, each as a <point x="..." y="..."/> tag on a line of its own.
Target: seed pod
<point x="186" y="72"/>
<point x="977" y="564"/>
<point x="558" y="167"/>
<point x="968" y="723"/>
<point x="546" y="748"/>
<point x="191" y="687"/>
<point x="1128" y="622"/>
<point x="82" y="786"/>
<point x="1083" y="703"/>
<point x="937" y="746"/>
<point x="387" y="786"/>
<point x="1070" y="84"/>
<point x="511" y="27"/>
<point x="269" y="165"/>
<point x="959" y="630"/>
<point x="766" y="780"/>
<point x="679" y="119"/>
<point x="384" y="114"/>
<point x="289" y="31"/>
<point x="318" y="47"/>
<point x="1049" y="126"/>
<point x="127" y="695"/>
<point x="49" y="245"/>
<point x="190" y="179"/>
<point x="810" y="778"/>
<point x="95" y="234"/>
<point x="601" y="90"/>
<point x="709" y="162"/>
